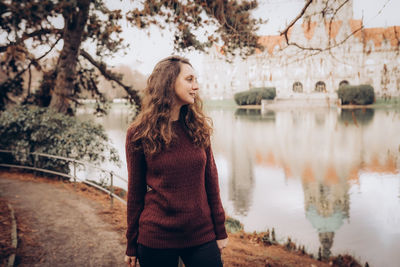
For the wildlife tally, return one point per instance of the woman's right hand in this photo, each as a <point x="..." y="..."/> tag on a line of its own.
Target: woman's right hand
<point x="131" y="261"/>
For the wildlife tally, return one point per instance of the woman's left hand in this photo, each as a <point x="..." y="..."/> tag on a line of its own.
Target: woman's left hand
<point x="222" y="243"/>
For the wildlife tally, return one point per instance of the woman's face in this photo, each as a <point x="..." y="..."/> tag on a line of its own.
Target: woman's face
<point x="186" y="85"/>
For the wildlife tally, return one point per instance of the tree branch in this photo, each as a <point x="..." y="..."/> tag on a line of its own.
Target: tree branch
<point x="331" y="20"/>
<point x="132" y="94"/>
<point x="30" y="35"/>
<point x="33" y="61"/>
<point x="285" y="31"/>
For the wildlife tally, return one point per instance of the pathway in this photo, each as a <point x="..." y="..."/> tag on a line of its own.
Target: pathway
<point x="66" y="226"/>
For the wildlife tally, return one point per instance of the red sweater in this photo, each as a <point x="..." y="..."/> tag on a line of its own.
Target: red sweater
<point x="184" y="208"/>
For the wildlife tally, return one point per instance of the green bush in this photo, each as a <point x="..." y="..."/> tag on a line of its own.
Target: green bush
<point x="255" y="95"/>
<point x="356" y="94"/>
<point x="252" y="99"/>
<point x="232" y="225"/>
<point x="25" y="129"/>
<point x="241" y="98"/>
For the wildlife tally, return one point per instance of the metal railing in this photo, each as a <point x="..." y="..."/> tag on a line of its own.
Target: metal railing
<point x="73" y="176"/>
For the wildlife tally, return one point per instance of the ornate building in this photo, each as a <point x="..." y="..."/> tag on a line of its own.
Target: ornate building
<point x="345" y="52"/>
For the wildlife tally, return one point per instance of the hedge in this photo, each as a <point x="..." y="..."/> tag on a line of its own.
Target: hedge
<point x="255" y="95"/>
<point x="356" y="94"/>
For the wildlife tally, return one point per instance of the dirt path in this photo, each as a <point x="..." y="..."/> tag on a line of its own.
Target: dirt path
<point x="64" y="228"/>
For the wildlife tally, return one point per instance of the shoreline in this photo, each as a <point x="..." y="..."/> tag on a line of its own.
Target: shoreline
<point x="278" y="106"/>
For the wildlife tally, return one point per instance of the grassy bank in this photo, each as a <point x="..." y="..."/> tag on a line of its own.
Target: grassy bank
<point x="387" y="102"/>
<point x="223" y="103"/>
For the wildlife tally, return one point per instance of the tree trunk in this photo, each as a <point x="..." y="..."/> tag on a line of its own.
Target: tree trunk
<point x="74" y="24"/>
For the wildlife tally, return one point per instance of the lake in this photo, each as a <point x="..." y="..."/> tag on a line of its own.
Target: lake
<point x="328" y="178"/>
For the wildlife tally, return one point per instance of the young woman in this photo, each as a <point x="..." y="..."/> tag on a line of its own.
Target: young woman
<point x="174" y="207"/>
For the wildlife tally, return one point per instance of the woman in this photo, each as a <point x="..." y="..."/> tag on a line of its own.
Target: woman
<point x="174" y="207"/>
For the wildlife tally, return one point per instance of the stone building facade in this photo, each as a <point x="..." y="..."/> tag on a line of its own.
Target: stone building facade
<point x="345" y="52"/>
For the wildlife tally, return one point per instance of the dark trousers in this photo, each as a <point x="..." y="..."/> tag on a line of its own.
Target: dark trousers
<point x="206" y="255"/>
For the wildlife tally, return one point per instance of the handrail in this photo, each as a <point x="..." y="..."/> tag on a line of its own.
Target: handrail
<point x="68" y="159"/>
<point x="77" y="161"/>
<point x="74" y="176"/>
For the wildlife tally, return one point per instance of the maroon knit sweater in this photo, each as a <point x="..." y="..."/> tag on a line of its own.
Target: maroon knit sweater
<point x="184" y="208"/>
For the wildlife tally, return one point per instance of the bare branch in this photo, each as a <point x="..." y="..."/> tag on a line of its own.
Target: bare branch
<point x="331" y="20"/>
<point x="285" y="31"/>
<point x="30" y="35"/>
<point x="319" y="49"/>
<point x="305" y="48"/>
<point x="380" y="10"/>
<point x="29" y="81"/>
<point x="33" y="61"/>
<point x="48" y="51"/>
<point x="133" y="94"/>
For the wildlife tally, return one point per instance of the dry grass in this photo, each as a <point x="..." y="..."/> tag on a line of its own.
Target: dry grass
<point x="5" y="232"/>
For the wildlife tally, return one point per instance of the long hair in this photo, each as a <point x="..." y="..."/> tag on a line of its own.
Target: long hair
<point x="153" y="125"/>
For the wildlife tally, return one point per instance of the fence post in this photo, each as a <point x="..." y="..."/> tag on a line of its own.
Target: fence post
<point x="74" y="162"/>
<point x="35" y="160"/>
<point x="112" y="189"/>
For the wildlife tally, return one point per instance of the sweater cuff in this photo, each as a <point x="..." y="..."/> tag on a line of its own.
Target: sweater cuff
<point x="222" y="235"/>
<point x="220" y="232"/>
<point x="131" y="251"/>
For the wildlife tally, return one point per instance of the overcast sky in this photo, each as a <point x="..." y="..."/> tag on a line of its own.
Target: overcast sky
<point x="146" y="50"/>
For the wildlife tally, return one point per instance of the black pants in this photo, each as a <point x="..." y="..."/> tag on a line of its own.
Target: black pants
<point x="206" y="255"/>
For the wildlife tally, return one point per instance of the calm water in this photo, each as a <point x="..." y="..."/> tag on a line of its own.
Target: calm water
<point x="327" y="178"/>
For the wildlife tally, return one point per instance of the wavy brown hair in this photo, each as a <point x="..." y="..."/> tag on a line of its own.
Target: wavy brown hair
<point x="153" y="125"/>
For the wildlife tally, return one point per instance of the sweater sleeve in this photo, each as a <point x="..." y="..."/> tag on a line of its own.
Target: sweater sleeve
<point x="214" y="200"/>
<point x="136" y="163"/>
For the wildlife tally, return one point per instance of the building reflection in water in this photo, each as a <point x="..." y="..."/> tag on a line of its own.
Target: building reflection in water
<point x="243" y="158"/>
<point x="242" y="180"/>
<point x="232" y="140"/>
<point x="324" y="149"/>
<point x="326" y="203"/>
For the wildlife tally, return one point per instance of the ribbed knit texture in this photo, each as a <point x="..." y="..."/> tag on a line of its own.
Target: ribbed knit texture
<point x="184" y="208"/>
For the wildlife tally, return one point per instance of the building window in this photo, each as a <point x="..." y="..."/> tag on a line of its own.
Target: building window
<point x="320" y="87"/>
<point x="297" y="87"/>
<point x="343" y="83"/>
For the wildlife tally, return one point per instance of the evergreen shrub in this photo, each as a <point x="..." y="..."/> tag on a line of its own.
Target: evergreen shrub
<point x="254" y="95"/>
<point x="232" y="225"/>
<point x="25" y="129"/>
<point x="356" y="94"/>
<point x="241" y="98"/>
